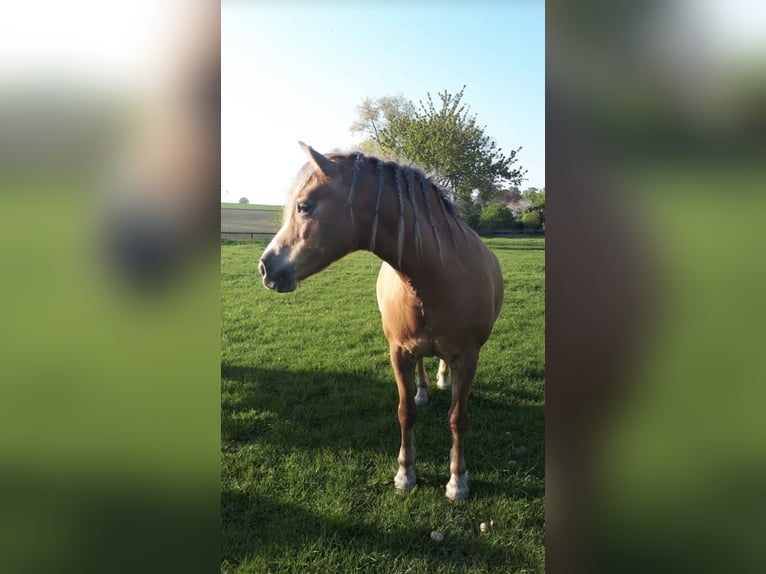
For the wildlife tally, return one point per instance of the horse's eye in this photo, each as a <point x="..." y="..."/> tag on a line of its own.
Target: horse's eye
<point x="303" y="208"/>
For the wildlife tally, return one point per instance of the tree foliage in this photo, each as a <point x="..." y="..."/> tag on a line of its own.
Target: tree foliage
<point x="532" y="220"/>
<point x="244" y="200"/>
<point x="444" y="139"/>
<point x="536" y="199"/>
<point x="535" y="196"/>
<point x="496" y="216"/>
<point x="522" y="202"/>
<point x="375" y="117"/>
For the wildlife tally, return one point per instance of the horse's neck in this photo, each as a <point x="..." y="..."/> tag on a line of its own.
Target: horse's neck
<point x="420" y="270"/>
<point x="418" y="251"/>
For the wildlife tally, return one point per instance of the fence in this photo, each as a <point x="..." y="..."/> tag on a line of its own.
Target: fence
<point x="509" y="233"/>
<point x="240" y="235"/>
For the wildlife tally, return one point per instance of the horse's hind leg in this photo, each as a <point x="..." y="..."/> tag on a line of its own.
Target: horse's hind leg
<point x="463" y="371"/>
<point x="442" y="380"/>
<point x="404" y="371"/>
<point x="421" y="397"/>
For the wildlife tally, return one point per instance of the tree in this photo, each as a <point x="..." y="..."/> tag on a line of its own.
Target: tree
<point x="374" y="118"/>
<point x="520" y="203"/>
<point x="446" y="141"/>
<point x="535" y="196"/>
<point x="510" y="195"/>
<point x="244" y="200"/>
<point x="536" y="199"/>
<point x="496" y="216"/>
<point x="532" y="220"/>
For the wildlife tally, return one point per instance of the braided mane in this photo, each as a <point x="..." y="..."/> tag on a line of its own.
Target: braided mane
<point x="414" y="179"/>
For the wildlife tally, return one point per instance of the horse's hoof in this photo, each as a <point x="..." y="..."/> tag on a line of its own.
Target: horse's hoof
<point x="443" y="384"/>
<point x="405" y="479"/>
<point x="421" y="399"/>
<point x="457" y="487"/>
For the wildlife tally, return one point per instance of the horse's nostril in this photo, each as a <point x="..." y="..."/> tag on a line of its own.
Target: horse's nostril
<point x="262" y="268"/>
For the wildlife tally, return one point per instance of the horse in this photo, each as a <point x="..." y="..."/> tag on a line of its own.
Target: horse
<point x="439" y="290"/>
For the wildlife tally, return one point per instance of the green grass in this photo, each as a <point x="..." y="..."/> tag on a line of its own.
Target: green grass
<point x="256" y="206"/>
<point x="310" y="434"/>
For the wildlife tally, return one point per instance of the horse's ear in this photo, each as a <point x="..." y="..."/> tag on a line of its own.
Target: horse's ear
<point x="322" y="163"/>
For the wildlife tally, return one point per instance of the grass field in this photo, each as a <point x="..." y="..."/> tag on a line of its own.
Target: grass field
<point x="254" y="206"/>
<point x="310" y="434"/>
<point x="250" y="218"/>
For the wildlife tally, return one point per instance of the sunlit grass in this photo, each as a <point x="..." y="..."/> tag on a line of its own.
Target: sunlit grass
<point x="310" y="433"/>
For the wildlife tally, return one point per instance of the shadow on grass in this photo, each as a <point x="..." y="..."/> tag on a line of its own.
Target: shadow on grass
<point x="255" y="525"/>
<point x="341" y="411"/>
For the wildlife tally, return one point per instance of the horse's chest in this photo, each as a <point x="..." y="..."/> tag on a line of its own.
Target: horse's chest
<point x="407" y="322"/>
<point x="421" y="330"/>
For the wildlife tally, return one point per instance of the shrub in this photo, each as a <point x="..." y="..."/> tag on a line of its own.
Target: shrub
<point x="244" y="200"/>
<point x="496" y="216"/>
<point x="531" y="220"/>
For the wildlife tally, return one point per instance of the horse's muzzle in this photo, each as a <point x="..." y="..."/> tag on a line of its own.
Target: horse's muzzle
<point x="276" y="276"/>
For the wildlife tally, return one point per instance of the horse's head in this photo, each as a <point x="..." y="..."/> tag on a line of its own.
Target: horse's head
<point x="316" y="229"/>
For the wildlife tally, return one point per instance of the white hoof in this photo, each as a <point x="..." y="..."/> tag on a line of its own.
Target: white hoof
<point x="457" y="487"/>
<point x="421" y="397"/>
<point x="405" y="478"/>
<point x="443" y="383"/>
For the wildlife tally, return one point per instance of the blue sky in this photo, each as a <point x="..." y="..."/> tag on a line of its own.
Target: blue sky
<point x="298" y="70"/>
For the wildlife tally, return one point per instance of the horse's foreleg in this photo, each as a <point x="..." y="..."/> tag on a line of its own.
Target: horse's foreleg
<point x="421" y="397"/>
<point x="442" y="380"/>
<point x="463" y="371"/>
<point x="404" y="371"/>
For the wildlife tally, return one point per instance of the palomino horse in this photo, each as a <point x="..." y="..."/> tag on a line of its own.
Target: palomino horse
<point x="439" y="290"/>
